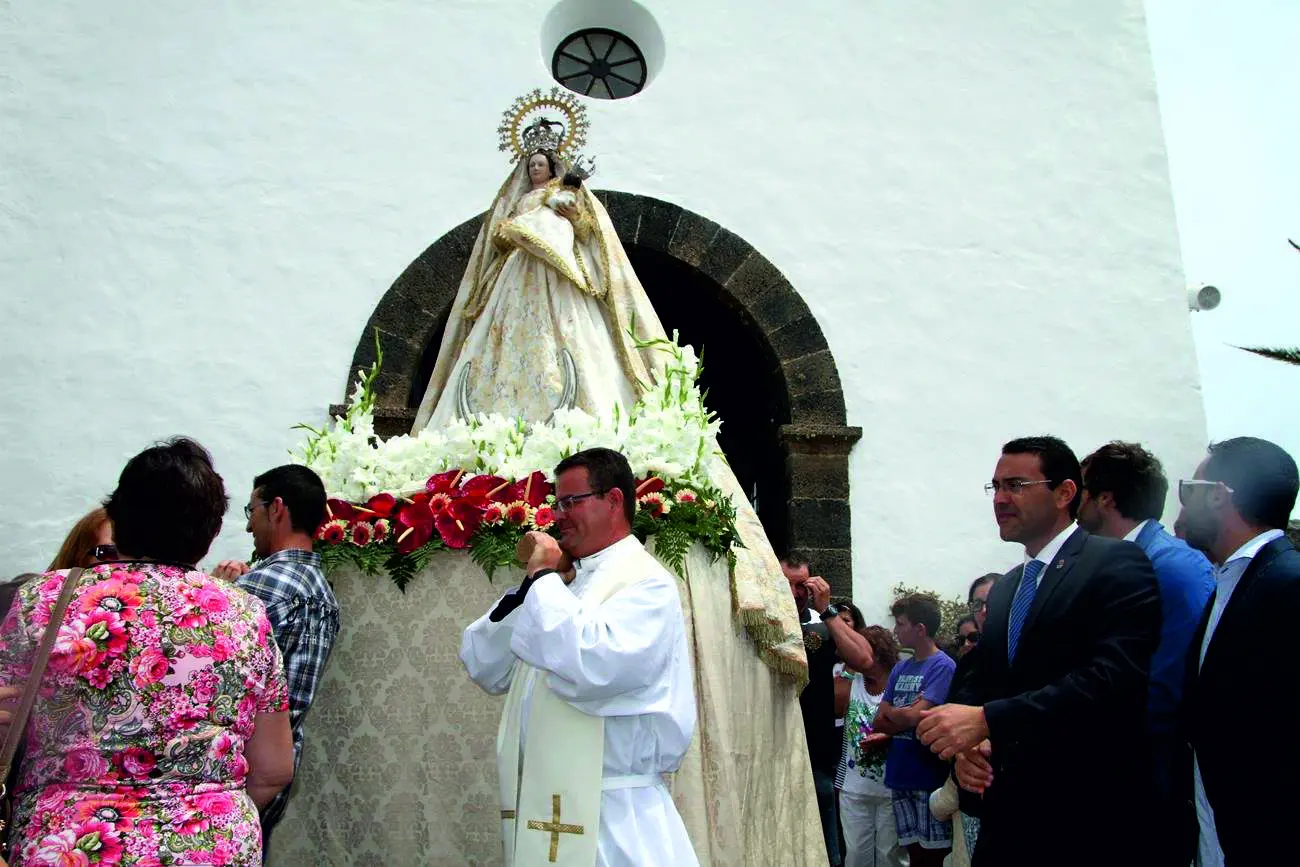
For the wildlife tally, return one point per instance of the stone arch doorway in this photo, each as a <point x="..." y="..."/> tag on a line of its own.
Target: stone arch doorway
<point x="770" y="374"/>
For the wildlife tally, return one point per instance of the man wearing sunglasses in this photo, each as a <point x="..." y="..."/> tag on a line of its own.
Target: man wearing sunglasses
<point x="1236" y="509"/>
<point x="1050" y="722"/>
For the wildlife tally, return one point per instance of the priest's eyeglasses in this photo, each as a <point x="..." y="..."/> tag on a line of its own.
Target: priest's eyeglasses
<point x="564" y="504"/>
<point x="1186" y="486"/>
<point x="1014" y="487"/>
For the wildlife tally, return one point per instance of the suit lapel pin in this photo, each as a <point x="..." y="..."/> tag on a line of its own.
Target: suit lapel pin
<point x="1060" y="564"/>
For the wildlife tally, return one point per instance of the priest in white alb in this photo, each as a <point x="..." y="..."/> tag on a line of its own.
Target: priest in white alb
<point x="591" y="649"/>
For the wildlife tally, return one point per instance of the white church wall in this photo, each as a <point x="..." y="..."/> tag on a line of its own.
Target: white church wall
<point x="204" y="203"/>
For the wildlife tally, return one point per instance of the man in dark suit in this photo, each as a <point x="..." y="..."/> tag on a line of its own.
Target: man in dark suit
<point x="1235" y="509"/>
<point x="1050" y="724"/>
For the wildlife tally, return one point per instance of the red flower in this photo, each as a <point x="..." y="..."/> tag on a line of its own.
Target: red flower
<point x="362" y="534"/>
<point x="381" y="528"/>
<point x="655" y="504"/>
<point x="543" y="517"/>
<point x="382" y="504"/>
<point x="458" y="523"/>
<point x="532" y="490"/>
<point x="494" y="514"/>
<point x="493" y="488"/>
<point x="414" y="527"/>
<point x="135" y="762"/>
<point x="339" y="510"/>
<point x="443" y="483"/>
<point x="439" y="501"/>
<point x="116" y="811"/>
<point x="333" y="532"/>
<point x="649" y="485"/>
<point x="518" y="513"/>
<point x="120" y="597"/>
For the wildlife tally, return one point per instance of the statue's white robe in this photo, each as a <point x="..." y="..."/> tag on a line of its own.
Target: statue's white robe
<point x="625" y="660"/>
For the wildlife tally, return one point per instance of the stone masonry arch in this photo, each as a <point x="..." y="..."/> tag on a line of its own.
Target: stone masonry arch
<point x="814" y="437"/>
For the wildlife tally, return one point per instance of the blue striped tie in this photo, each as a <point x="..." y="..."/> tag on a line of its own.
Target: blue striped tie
<point x="1021" y="604"/>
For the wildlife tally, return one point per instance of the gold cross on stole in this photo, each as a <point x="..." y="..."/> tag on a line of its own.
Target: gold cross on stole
<point x="554" y="828"/>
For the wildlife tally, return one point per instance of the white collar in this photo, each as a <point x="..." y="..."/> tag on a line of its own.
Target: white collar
<point x="1133" y="534"/>
<point x="1052" y="548"/>
<point x="1251" y="548"/>
<point x="592" y="562"/>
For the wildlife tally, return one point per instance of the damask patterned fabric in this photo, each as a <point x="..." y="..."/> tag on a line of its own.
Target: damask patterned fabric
<point x="400" y="768"/>
<point x="135" y="752"/>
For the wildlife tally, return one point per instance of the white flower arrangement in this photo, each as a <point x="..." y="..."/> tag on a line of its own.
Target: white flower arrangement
<point x="669" y="433"/>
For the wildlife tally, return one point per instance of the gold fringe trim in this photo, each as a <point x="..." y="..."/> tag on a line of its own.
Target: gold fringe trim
<point x="533" y="244"/>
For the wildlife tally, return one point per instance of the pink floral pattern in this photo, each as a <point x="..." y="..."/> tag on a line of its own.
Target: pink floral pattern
<point x="135" y="753"/>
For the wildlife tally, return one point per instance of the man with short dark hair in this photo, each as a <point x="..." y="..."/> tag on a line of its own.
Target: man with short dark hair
<point x="1124" y="488"/>
<point x="592" y="650"/>
<point x="1236" y="509"/>
<point x="911" y="771"/>
<point x="1050" y="722"/>
<point x="284" y="511"/>
<point x="824" y="634"/>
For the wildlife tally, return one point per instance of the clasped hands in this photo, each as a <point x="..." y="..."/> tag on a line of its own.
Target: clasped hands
<point x="959" y="731"/>
<point x="540" y="551"/>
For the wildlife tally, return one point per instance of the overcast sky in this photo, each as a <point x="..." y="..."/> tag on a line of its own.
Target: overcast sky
<point x="1228" y="75"/>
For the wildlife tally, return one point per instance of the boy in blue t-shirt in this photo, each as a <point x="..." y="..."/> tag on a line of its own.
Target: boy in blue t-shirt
<point x="912" y="772"/>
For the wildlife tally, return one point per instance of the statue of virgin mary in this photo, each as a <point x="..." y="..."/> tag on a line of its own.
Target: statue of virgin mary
<point x="550" y="314"/>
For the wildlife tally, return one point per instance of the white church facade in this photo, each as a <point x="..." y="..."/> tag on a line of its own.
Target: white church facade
<point x="901" y="233"/>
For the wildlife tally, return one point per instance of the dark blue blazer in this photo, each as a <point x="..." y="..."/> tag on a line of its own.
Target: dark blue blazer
<point x="1068" y="719"/>
<point x="1241" y="708"/>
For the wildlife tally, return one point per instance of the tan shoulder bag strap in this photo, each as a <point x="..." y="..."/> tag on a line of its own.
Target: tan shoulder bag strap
<point x="32" y="688"/>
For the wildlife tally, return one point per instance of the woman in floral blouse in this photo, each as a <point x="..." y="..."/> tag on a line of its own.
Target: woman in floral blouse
<point x="162" y="724"/>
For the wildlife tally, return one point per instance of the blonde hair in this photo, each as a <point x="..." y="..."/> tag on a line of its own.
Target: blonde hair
<point x="84" y="535"/>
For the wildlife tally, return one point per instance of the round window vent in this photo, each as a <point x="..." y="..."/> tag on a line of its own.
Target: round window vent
<point x="600" y="63"/>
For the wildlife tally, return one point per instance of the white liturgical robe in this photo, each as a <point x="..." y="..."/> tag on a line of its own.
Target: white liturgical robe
<point x="625" y="660"/>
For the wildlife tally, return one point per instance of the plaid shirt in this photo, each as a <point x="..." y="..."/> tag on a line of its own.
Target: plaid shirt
<point x="304" y="618"/>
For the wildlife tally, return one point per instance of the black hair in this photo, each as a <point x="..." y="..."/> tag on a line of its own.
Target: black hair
<point x="1056" y="461"/>
<point x="1132" y="475"/>
<point x="795" y="559"/>
<point x="844" y="602"/>
<point x="1262" y="477"/>
<point x="986" y="578"/>
<point x="168" y="503"/>
<point x="607" y="470"/>
<point x="919" y="608"/>
<point x="301" y="491"/>
<point x="550" y="161"/>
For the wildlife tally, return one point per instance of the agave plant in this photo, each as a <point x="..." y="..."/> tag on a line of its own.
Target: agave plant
<point x="1287" y="356"/>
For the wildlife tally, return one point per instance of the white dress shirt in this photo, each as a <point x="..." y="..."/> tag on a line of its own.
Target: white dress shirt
<point x="1050" y="550"/>
<point x="1132" y="535"/>
<point x="1228" y="575"/>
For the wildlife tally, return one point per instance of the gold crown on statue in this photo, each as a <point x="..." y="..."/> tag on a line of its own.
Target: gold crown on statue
<point x="523" y="130"/>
